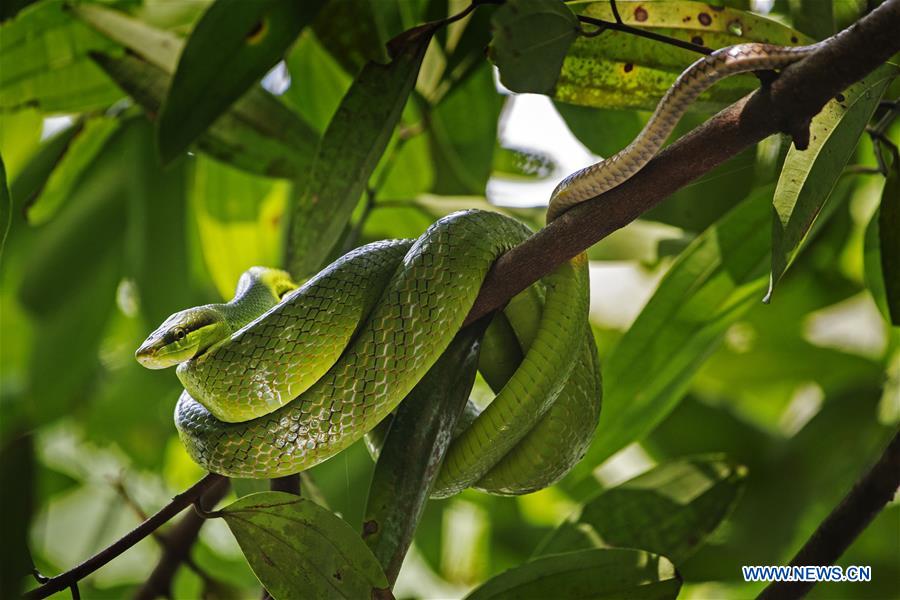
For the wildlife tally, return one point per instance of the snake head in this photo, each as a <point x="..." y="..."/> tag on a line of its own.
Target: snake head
<point x="183" y="336"/>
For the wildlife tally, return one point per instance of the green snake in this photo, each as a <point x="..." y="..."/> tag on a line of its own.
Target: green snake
<point x="283" y="377"/>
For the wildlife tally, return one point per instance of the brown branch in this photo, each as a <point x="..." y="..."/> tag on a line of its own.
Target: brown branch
<point x="792" y="100"/>
<point x="178" y="503"/>
<point x="177" y="543"/>
<point x="845" y="523"/>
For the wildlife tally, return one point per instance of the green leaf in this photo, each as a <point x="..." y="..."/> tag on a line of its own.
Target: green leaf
<point x="608" y="574"/>
<point x="317" y="81"/>
<point x="813" y="17"/>
<point x="257" y="134"/>
<point x="44" y="63"/>
<point x="79" y="153"/>
<point x="889" y="237"/>
<point x="352" y="33"/>
<point x="414" y="449"/>
<point x="882" y="250"/>
<point x="603" y="131"/>
<point x="531" y="38"/>
<point x="356" y="138"/>
<point x="711" y="285"/>
<point x="34" y="173"/>
<point x="156" y="242"/>
<point x="242" y="39"/>
<point x="462" y="135"/>
<point x="20" y="135"/>
<point x="239" y="220"/>
<point x="5" y="208"/>
<point x="618" y="70"/>
<point x="670" y="510"/>
<point x="298" y="549"/>
<point x="808" y="176"/>
<point x="17" y="472"/>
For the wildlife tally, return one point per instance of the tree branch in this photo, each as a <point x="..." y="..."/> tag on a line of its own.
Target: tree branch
<point x="845" y="523"/>
<point x="178" y="503"/>
<point x="784" y="106"/>
<point x="177" y="544"/>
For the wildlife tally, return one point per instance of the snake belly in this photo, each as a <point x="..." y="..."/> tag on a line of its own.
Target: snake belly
<point x="335" y="357"/>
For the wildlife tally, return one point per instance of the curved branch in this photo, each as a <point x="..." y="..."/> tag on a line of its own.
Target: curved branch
<point x="786" y="105"/>
<point x="178" y="503"/>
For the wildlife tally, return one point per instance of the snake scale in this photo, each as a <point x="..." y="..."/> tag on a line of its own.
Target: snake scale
<point x="282" y="378"/>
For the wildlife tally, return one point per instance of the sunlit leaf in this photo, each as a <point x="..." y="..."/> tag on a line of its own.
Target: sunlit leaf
<point x="20" y="135"/>
<point x="670" y="510"/>
<point x="44" y="63"/>
<point x="608" y="574"/>
<point x="80" y="151"/>
<point x="351" y="148"/>
<point x="5" y="208"/>
<point x="531" y="38"/>
<point x="244" y="39"/>
<point x="298" y="549"/>
<point x="808" y="176"/>
<point x="34" y="173"/>
<point x="317" y="81"/>
<point x="239" y="219"/>
<point x="618" y="70"/>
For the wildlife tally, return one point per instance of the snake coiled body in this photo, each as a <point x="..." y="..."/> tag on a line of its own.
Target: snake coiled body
<point x="279" y="386"/>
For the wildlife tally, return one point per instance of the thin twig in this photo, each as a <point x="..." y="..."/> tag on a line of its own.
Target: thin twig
<point x="177" y="544"/>
<point x="618" y="25"/>
<point x="870" y="494"/>
<point x="178" y="503"/>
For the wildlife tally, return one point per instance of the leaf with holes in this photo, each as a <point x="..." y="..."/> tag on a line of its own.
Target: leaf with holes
<point x="531" y="38"/>
<point x="809" y="175"/>
<point x="620" y="70"/>
<point x="244" y="39"/>
<point x="298" y="549"/>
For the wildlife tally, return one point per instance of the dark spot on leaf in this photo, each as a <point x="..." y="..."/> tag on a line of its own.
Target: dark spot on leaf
<point x="716" y="8"/>
<point x="697" y="40"/>
<point x="840" y="98"/>
<point x="640" y="14"/>
<point x="704" y="18"/>
<point x="369" y="528"/>
<point x="686" y="19"/>
<point x="257" y="33"/>
<point x="337" y="575"/>
<point x="793" y="39"/>
<point x="628" y="67"/>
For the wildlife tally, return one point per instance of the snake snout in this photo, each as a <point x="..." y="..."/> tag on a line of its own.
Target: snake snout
<point x="146" y="355"/>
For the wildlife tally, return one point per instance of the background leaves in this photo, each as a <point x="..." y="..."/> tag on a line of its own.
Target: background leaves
<point x="700" y="375"/>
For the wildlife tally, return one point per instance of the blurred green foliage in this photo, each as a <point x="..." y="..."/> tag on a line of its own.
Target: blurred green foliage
<point x="735" y="426"/>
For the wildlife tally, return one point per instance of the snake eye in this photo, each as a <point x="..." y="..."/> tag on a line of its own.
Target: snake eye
<point x="179" y="333"/>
